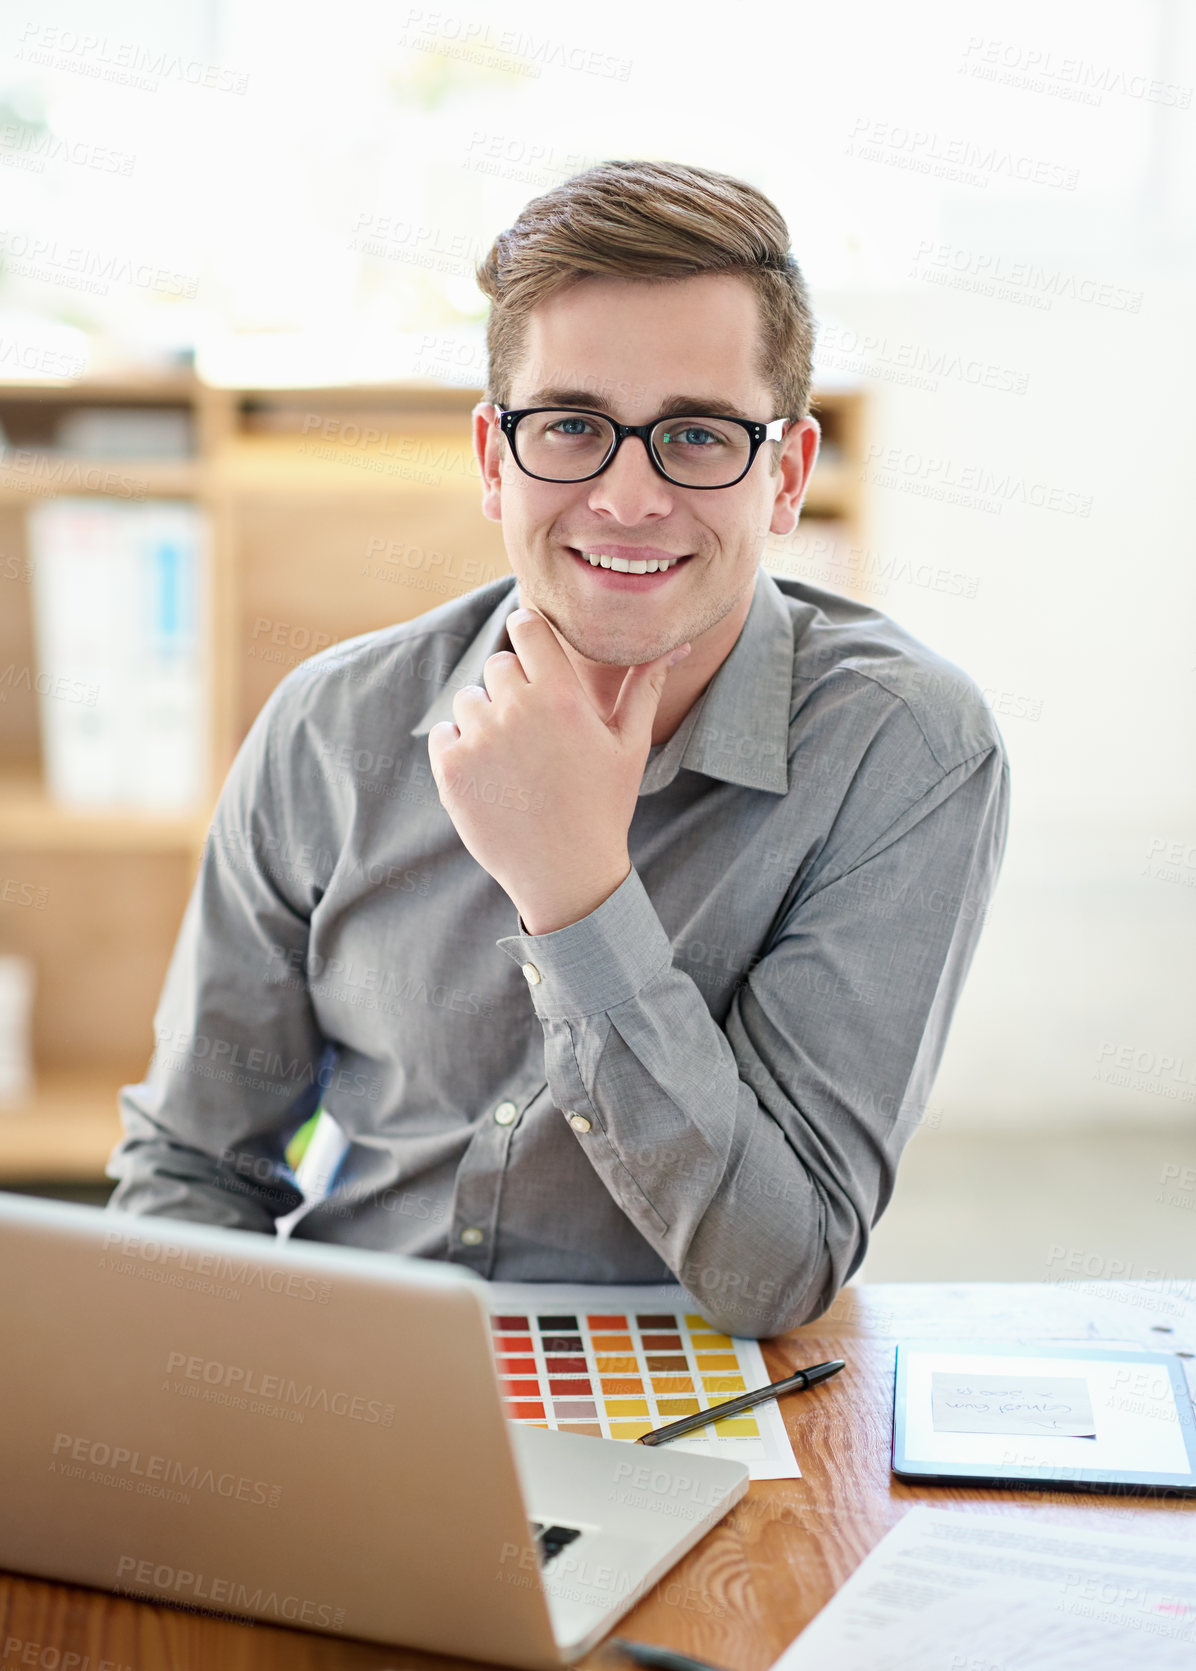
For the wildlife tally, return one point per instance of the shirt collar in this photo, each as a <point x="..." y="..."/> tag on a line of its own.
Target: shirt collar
<point x="737" y="730"/>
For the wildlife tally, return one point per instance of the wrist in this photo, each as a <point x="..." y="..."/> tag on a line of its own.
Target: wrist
<point x="547" y="914"/>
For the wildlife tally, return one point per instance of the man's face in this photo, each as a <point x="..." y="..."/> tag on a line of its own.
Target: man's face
<point x="629" y="348"/>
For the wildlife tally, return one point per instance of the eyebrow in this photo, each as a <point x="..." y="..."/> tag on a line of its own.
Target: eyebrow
<point x="676" y="406"/>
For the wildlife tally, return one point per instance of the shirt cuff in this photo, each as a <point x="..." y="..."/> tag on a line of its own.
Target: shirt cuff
<point x="600" y="961"/>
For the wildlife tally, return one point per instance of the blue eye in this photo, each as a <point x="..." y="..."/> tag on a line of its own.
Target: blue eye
<point x="561" y="426"/>
<point x="693" y="435"/>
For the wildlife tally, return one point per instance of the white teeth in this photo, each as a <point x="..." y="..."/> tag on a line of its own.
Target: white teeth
<point x="621" y="565"/>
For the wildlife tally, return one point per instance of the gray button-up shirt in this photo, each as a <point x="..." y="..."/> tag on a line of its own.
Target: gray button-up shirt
<point x="710" y="1078"/>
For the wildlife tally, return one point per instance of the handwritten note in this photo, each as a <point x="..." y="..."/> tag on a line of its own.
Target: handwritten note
<point x="1011" y="1404"/>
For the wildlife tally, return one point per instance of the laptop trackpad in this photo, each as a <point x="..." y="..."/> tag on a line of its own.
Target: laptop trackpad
<point x="590" y="1583"/>
<point x="636" y="1512"/>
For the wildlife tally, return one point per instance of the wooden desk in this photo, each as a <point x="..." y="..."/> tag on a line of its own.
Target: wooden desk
<point x="761" y="1575"/>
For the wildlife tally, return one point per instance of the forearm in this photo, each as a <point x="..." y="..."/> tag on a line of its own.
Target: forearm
<point x="707" y="1177"/>
<point x="164" y="1177"/>
<point x="655" y="1095"/>
<point x="754" y="1153"/>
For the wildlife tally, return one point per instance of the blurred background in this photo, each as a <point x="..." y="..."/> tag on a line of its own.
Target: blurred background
<point x="239" y="341"/>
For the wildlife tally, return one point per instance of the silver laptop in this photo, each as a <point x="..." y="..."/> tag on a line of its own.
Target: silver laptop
<point x="312" y="1436"/>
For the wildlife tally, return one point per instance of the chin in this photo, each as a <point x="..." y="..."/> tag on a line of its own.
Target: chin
<point x="622" y="654"/>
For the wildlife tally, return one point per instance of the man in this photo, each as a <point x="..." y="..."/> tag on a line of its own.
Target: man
<point x="611" y="966"/>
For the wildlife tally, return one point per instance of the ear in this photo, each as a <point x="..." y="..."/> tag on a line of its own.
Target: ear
<point x="799" y="451"/>
<point x="487" y="445"/>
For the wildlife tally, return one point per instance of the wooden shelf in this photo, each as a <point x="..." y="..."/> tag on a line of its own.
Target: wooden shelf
<point x="30" y="819"/>
<point x="67" y="1131"/>
<point x="128" y="389"/>
<point x="281" y="400"/>
<point x="415" y="461"/>
<point x="47" y="475"/>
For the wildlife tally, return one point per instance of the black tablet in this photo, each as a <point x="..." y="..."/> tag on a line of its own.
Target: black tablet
<point x="1088" y="1418"/>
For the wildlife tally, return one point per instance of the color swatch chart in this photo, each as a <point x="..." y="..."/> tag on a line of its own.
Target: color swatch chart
<point x="618" y="1362"/>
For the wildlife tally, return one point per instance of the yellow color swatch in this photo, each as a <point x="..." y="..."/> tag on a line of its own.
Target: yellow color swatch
<point x="629" y="1430"/>
<point x="678" y="1406"/>
<point x="626" y="1407"/>
<point x="669" y="1384"/>
<point x="705" y="1342"/>
<point x="716" y="1360"/>
<point x="737" y="1427"/>
<point x="723" y="1383"/>
<point x="617" y="1366"/>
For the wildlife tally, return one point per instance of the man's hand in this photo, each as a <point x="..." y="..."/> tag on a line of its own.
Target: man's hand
<point x="540" y="787"/>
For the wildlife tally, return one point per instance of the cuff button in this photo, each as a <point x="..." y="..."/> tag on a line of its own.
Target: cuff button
<point x="579" y="1122"/>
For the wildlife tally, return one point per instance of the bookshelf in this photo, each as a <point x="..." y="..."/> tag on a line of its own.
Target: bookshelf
<point x="331" y="512"/>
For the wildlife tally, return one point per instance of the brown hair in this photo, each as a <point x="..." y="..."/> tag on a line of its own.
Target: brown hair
<point x="651" y="220"/>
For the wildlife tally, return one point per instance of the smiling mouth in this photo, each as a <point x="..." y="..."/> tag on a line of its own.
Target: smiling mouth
<point x="623" y="565"/>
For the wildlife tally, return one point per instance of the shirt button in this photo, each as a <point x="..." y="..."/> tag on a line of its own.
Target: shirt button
<point x="532" y="973"/>
<point x="579" y="1122"/>
<point x="506" y="1114"/>
<point x="472" y="1236"/>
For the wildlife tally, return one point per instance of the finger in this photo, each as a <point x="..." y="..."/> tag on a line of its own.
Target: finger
<point x="440" y="736"/>
<point x="539" y="649"/>
<point x="503" y="671"/>
<point x="641" y="691"/>
<point x="465" y="704"/>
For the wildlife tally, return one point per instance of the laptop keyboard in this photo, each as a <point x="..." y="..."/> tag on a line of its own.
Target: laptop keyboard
<point x="550" y="1540"/>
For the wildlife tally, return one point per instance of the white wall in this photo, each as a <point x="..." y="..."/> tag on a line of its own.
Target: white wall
<point x="1087" y="959"/>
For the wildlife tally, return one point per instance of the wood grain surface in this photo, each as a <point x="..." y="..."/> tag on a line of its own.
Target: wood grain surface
<point x="759" y="1577"/>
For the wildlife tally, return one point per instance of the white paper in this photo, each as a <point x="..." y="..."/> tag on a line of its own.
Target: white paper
<point x="948" y="1590"/>
<point x="1011" y="1404"/>
<point x="769" y="1457"/>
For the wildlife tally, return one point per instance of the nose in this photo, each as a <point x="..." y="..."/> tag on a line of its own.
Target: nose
<point x="631" y="489"/>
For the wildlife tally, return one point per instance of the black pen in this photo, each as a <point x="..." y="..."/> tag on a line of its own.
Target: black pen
<point x="776" y="1389"/>
<point x="659" y="1659"/>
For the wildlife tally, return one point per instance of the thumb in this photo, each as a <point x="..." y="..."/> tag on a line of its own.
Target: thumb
<point x="641" y="691"/>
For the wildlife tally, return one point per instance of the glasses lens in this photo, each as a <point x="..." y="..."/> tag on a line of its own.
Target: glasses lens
<point x="702" y="452"/>
<point x="562" y="446"/>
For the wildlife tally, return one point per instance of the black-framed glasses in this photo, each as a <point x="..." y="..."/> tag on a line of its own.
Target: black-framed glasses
<point x="558" y="444"/>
